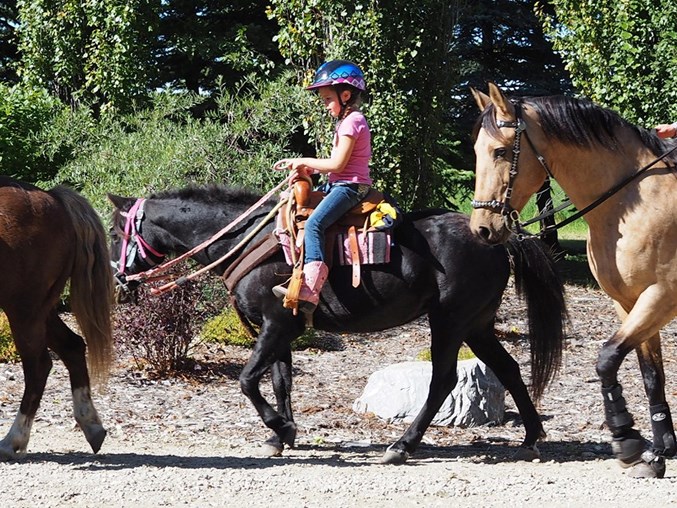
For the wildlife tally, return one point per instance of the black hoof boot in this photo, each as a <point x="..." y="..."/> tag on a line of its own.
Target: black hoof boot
<point x="651" y="466"/>
<point x="628" y="448"/>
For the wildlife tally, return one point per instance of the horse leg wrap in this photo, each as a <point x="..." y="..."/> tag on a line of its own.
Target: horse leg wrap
<point x="617" y="417"/>
<point x="663" y="430"/>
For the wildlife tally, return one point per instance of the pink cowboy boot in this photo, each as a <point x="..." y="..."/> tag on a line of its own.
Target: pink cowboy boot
<point x="314" y="276"/>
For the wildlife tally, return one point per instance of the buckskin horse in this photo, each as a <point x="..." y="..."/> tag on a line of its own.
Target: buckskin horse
<point x="437" y="267"/>
<point x="622" y="177"/>
<point x="48" y="238"/>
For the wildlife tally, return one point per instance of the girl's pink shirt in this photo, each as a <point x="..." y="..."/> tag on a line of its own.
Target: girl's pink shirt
<point x="357" y="169"/>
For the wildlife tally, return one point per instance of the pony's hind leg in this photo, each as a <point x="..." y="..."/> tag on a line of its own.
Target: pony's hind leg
<point x="70" y="348"/>
<point x="490" y="351"/>
<point x="36" y="364"/>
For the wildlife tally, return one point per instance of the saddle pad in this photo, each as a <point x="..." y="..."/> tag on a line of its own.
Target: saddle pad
<point x="374" y="248"/>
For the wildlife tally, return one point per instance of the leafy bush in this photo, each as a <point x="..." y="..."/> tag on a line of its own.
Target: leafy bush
<point x="8" y="352"/>
<point x="465" y="353"/>
<point x="23" y="113"/>
<point x="226" y="328"/>
<point x="160" y="331"/>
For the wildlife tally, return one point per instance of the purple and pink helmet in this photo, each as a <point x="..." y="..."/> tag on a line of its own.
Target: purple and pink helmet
<point x="336" y="72"/>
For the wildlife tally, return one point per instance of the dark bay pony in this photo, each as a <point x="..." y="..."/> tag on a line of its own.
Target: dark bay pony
<point x="46" y="240"/>
<point x="626" y="176"/>
<point x="437" y="268"/>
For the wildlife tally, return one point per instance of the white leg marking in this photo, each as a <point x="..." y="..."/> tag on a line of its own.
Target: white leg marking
<point x="15" y="442"/>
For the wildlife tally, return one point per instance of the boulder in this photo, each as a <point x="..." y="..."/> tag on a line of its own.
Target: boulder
<point x="397" y="393"/>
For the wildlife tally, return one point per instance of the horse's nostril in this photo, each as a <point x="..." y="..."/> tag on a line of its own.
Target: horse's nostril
<point x="484" y="233"/>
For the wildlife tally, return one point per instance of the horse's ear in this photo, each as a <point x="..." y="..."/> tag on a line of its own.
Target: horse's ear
<point x="481" y="98"/>
<point x="119" y="202"/>
<point x="504" y="108"/>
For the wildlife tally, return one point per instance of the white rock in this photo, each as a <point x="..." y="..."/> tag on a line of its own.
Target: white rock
<point x="398" y="392"/>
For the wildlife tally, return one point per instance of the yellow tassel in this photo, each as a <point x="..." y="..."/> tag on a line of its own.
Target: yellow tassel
<point x="291" y="300"/>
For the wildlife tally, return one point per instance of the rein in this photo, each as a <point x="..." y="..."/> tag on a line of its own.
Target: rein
<point x="511" y="216"/>
<point x="132" y="235"/>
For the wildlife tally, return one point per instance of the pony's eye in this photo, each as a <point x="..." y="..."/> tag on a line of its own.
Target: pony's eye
<point x="499" y="153"/>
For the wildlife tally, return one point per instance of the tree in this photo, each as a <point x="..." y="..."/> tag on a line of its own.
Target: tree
<point x="93" y="51"/>
<point x="403" y="48"/>
<point x="620" y="54"/>
<point x="8" y="50"/>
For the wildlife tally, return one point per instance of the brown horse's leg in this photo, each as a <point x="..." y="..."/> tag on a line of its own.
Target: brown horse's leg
<point x="29" y="338"/>
<point x="71" y="349"/>
<point x="490" y="351"/>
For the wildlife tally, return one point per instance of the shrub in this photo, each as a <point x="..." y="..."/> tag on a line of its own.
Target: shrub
<point x="465" y="353"/>
<point x="226" y="328"/>
<point x="8" y="351"/>
<point x="160" y="331"/>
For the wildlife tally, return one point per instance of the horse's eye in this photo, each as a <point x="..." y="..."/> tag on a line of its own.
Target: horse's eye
<point x="499" y="153"/>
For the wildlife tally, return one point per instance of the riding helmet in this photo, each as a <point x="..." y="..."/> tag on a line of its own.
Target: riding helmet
<point x="336" y="72"/>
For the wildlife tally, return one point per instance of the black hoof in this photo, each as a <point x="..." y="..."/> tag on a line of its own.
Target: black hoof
<point x="287" y="434"/>
<point x="96" y="440"/>
<point x="394" y="456"/>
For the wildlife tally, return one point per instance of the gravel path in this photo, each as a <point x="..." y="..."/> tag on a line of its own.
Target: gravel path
<point x="180" y="442"/>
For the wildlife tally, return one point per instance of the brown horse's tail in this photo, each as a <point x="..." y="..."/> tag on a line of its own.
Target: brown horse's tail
<point x="91" y="285"/>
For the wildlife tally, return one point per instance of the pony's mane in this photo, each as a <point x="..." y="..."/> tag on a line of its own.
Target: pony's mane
<point x="578" y="122"/>
<point x="209" y="194"/>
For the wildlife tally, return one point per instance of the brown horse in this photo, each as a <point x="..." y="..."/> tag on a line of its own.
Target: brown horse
<point x="47" y="238"/>
<point x="624" y="178"/>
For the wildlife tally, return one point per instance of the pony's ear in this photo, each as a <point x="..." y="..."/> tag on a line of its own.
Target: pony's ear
<point x="504" y="108"/>
<point x="119" y="202"/>
<point x="481" y="98"/>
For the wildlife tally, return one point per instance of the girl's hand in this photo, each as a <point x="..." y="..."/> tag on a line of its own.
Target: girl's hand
<point x="282" y="164"/>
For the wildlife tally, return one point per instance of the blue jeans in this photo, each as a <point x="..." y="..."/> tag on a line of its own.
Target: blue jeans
<point x="339" y="199"/>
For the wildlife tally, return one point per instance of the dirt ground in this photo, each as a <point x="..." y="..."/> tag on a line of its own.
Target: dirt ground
<point x="182" y="442"/>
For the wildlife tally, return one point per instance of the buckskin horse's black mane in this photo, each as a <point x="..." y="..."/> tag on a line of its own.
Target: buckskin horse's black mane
<point x="578" y="122"/>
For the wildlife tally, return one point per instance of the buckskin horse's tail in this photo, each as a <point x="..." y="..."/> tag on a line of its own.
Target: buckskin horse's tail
<point x="91" y="284"/>
<point x="537" y="281"/>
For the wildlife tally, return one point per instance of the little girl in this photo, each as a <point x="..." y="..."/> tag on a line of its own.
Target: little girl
<point x="339" y="83"/>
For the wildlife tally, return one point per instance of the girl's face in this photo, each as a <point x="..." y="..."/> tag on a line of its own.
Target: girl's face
<point x="330" y="100"/>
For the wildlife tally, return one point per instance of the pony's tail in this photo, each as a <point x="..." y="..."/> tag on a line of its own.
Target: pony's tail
<point x="91" y="284"/>
<point x="537" y="281"/>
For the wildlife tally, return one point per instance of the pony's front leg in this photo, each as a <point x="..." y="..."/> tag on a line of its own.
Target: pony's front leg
<point x="489" y="350"/>
<point x="281" y="377"/>
<point x="270" y="346"/>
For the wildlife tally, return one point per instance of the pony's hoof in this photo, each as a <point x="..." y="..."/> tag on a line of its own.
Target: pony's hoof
<point x="651" y="466"/>
<point x="96" y="439"/>
<point x="395" y="457"/>
<point x="288" y="434"/>
<point x="271" y="450"/>
<point x="527" y="453"/>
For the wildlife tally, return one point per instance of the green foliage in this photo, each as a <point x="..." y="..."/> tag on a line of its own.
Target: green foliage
<point x="464" y="353"/>
<point x="8" y="351"/>
<point x="164" y="146"/>
<point x="226" y="328"/>
<point x="619" y="54"/>
<point x="93" y="51"/>
<point x="23" y="113"/>
<point x="403" y="48"/>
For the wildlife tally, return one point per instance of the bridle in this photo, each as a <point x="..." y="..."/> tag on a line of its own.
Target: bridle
<point x="133" y="244"/>
<point x="511" y="216"/>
